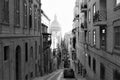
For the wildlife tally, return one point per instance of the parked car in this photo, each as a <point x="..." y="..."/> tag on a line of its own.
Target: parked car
<point x="68" y="74"/>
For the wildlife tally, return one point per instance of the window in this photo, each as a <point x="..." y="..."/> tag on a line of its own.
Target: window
<point x="35" y="49"/>
<point x="89" y="16"/>
<point x="117" y="37"/>
<point x="94" y="65"/>
<point x="36" y="68"/>
<point x="85" y="36"/>
<point x="17" y="12"/>
<point x="30" y="14"/>
<point x="6" y="11"/>
<point x="39" y="19"/>
<point x="89" y="60"/>
<point x="94" y="37"/>
<point x="94" y="11"/>
<point x="74" y="42"/>
<point x="26" y="77"/>
<point x="102" y="71"/>
<point x="94" y="8"/>
<point x="116" y="75"/>
<point x="39" y="49"/>
<point x="89" y="37"/>
<point x="26" y="52"/>
<point x="31" y="74"/>
<point x="35" y="16"/>
<point x="6" y="53"/>
<point x="25" y="14"/>
<point x="117" y="1"/>
<point x="103" y="37"/>
<point x="31" y="52"/>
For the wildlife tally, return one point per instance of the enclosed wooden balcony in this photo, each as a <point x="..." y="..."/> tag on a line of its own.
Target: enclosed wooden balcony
<point x="100" y="18"/>
<point x="46" y="40"/>
<point x="84" y="25"/>
<point x="84" y="7"/>
<point x="76" y="17"/>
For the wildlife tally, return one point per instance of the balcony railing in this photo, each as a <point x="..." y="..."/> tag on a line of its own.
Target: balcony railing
<point x="100" y="15"/>
<point x="46" y="40"/>
<point x="83" y="6"/>
<point x="84" y="25"/>
<point x="76" y="17"/>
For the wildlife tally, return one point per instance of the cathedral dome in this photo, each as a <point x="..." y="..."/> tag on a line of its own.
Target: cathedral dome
<point x="55" y="26"/>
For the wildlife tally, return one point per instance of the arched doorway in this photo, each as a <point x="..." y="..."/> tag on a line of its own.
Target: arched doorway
<point x="18" y="63"/>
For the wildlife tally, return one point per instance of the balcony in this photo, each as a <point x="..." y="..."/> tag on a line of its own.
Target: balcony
<point x="84" y="25"/>
<point x="76" y="18"/>
<point x="84" y="7"/>
<point x="100" y="18"/>
<point x="46" y="40"/>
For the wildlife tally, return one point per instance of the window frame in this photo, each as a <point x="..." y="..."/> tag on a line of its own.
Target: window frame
<point x="6" y="53"/>
<point x="26" y="52"/>
<point x="117" y="2"/>
<point x="89" y="15"/>
<point x="6" y="12"/>
<point x="94" y="65"/>
<point x="25" y="13"/>
<point x="105" y="38"/>
<point x="94" y="8"/>
<point x="116" y="74"/>
<point x="94" y="37"/>
<point x="102" y="71"/>
<point x="30" y="15"/>
<point x="116" y="5"/>
<point x="35" y="17"/>
<point x="89" y="60"/>
<point x="117" y="42"/>
<point x="31" y="51"/>
<point x="89" y="37"/>
<point x="17" y="13"/>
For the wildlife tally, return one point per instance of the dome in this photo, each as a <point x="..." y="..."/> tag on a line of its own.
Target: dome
<point x="55" y="26"/>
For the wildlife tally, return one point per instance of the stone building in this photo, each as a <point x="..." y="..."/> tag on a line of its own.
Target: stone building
<point x="101" y="37"/>
<point x="68" y="44"/>
<point x="20" y="39"/>
<point x="75" y="40"/>
<point x="46" y="41"/>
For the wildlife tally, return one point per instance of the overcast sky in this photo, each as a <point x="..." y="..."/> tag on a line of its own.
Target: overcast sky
<point x="63" y="9"/>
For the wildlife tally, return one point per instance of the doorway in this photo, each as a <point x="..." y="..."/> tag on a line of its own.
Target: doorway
<point x="18" y="63"/>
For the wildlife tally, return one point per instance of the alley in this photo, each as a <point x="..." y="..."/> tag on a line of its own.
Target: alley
<point x="59" y="39"/>
<point x="57" y="75"/>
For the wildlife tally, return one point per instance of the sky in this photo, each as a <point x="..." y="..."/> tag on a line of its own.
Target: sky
<point x="64" y="11"/>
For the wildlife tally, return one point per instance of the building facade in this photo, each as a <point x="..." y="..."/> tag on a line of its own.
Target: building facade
<point x="46" y="41"/>
<point x="20" y="39"/>
<point x="101" y="36"/>
<point x="69" y="41"/>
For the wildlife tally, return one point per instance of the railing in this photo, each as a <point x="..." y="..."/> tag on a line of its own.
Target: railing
<point x="83" y="5"/>
<point x="100" y="15"/>
<point x="46" y="40"/>
<point x="84" y="25"/>
<point x="76" y="17"/>
<point x="46" y="44"/>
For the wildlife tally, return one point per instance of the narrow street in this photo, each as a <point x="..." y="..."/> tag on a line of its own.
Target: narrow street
<point x="57" y="75"/>
<point x="59" y="39"/>
<point x="53" y="76"/>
